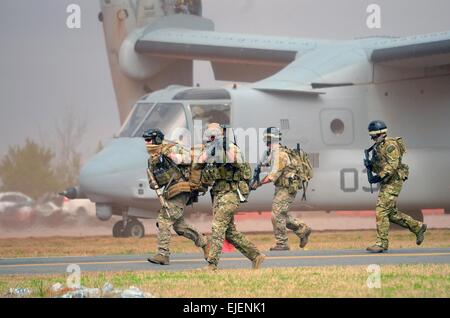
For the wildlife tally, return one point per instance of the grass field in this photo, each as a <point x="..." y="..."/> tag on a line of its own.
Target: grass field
<point x="335" y="281"/>
<point x="87" y="246"/>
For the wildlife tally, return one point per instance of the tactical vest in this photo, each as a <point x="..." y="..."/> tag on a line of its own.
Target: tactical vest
<point x="166" y="172"/>
<point x="380" y="157"/>
<point x="228" y="177"/>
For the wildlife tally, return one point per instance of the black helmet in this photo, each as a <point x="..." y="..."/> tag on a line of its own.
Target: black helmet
<point x="155" y="135"/>
<point x="377" y="127"/>
<point x="271" y="134"/>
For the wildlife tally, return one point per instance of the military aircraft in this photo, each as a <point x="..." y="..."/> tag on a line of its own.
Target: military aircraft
<point x="321" y="93"/>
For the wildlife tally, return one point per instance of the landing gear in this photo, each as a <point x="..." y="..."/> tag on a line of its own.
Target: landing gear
<point x="131" y="228"/>
<point x="118" y="230"/>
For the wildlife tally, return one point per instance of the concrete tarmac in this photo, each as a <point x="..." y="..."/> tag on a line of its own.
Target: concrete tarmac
<point x="180" y="262"/>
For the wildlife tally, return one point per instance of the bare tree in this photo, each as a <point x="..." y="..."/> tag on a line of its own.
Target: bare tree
<point x="70" y="131"/>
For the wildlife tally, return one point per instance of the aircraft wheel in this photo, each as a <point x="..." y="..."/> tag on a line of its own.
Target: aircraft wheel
<point x="118" y="230"/>
<point x="135" y="229"/>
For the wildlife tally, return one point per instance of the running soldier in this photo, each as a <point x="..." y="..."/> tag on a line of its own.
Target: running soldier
<point x="290" y="172"/>
<point x="391" y="173"/>
<point x="227" y="173"/>
<point x="170" y="163"/>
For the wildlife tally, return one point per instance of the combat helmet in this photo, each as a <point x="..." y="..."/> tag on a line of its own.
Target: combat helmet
<point x="272" y="134"/>
<point x="377" y="127"/>
<point x="155" y="135"/>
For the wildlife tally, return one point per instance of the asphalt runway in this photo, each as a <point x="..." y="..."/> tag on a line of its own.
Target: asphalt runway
<point x="179" y="262"/>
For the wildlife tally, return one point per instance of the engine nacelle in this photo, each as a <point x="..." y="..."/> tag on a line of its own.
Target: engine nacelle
<point x="135" y="65"/>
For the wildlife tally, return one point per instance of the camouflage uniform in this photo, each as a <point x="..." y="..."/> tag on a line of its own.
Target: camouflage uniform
<point x="388" y="165"/>
<point x="285" y="193"/>
<point x="177" y="204"/>
<point x="225" y="204"/>
<point x="176" y="220"/>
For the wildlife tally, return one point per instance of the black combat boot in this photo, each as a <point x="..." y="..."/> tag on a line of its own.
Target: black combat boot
<point x="420" y="236"/>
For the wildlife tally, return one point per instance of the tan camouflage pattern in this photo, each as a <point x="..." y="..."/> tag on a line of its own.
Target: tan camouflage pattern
<point x="174" y="151"/>
<point x="279" y="160"/>
<point x="176" y="220"/>
<point x="388" y="158"/>
<point x="281" y="220"/>
<point x="224" y="207"/>
<point x="388" y="165"/>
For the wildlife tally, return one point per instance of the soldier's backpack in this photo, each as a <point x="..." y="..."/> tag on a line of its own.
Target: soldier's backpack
<point x="301" y="166"/>
<point x="401" y="145"/>
<point x="403" y="169"/>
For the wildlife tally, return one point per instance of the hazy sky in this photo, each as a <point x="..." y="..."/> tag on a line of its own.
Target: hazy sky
<point x="46" y="68"/>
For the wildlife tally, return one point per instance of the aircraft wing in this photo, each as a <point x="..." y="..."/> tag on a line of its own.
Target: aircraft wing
<point x="217" y="47"/>
<point x="350" y="63"/>
<point x="234" y="57"/>
<point x="431" y="50"/>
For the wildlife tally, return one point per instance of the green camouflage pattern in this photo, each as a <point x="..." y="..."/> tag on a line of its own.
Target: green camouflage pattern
<point x="224" y="207"/>
<point x="386" y="211"/>
<point x="388" y="165"/>
<point x="281" y="220"/>
<point x="176" y="220"/>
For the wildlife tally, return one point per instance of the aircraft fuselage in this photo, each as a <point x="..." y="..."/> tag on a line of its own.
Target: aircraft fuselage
<point x="331" y="127"/>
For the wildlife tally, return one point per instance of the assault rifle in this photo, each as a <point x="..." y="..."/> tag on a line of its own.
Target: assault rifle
<point x="368" y="165"/>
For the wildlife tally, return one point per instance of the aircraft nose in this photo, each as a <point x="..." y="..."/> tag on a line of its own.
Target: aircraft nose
<point x="113" y="171"/>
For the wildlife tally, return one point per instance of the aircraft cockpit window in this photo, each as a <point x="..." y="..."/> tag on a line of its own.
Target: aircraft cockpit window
<point x="134" y="119"/>
<point x="188" y="7"/>
<point x="212" y="113"/>
<point x="169" y="117"/>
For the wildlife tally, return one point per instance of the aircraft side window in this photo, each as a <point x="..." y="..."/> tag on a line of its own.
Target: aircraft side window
<point x="169" y="117"/>
<point x="134" y="119"/>
<point x="337" y="126"/>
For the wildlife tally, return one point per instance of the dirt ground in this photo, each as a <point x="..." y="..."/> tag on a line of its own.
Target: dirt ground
<point x="105" y="245"/>
<point x="249" y="222"/>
